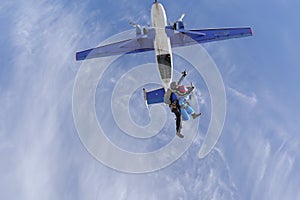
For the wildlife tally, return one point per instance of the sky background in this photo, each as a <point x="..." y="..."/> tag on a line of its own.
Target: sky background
<point x="256" y="157"/>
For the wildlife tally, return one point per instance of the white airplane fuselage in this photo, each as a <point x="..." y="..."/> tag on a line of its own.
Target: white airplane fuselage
<point x="162" y="44"/>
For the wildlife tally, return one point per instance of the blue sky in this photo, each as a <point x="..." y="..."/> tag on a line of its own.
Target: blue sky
<point x="257" y="156"/>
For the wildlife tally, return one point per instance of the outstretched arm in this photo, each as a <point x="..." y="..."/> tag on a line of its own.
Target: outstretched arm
<point x="184" y="73"/>
<point x="190" y="90"/>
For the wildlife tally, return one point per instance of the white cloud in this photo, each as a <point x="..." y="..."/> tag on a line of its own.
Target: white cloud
<point x="248" y="99"/>
<point x="261" y="148"/>
<point x="48" y="160"/>
<point x="37" y="100"/>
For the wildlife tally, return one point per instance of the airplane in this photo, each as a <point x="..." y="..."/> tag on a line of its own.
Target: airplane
<point x="161" y="38"/>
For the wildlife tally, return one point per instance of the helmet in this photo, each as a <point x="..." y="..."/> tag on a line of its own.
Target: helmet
<point x="173" y="85"/>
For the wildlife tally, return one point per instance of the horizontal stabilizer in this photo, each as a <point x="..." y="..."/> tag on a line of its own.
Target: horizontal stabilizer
<point x="154" y="96"/>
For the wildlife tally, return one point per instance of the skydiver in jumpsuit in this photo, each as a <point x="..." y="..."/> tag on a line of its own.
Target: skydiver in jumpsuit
<point x="177" y="98"/>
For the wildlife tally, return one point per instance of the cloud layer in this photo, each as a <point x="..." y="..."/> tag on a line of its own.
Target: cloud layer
<point x="42" y="158"/>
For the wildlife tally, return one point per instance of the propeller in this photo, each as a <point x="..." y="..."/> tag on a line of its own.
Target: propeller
<point x="181" y="17"/>
<point x="137" y="27"/>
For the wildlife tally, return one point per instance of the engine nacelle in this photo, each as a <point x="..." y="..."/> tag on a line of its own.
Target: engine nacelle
<point x="138" y="29"/>
<point x="178" y="25"/>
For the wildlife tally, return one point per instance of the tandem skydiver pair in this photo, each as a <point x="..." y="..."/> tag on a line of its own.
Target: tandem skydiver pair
<point x="177" y="98"/>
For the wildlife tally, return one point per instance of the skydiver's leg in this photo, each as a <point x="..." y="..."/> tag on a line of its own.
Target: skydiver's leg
<point x="178" y="118"/>
<point x="177" y="113"/>
<point x="191" y="111"/>
<point x="184" y="114"/>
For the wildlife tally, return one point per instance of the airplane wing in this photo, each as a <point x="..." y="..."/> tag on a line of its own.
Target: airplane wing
<point x="188" y="37"/>
<point x="135" y="45"/>
<point x="182" y="37"/>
